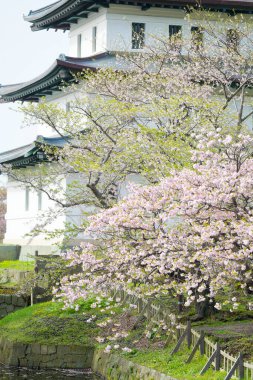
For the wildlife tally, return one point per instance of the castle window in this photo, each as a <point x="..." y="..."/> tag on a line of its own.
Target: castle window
<point x="138" y="35"/>
<point x="79" y="45"/>
<point x="175" y="34"/>
<point x="39" y="194"/>
<point x="175" y="30"/>
<point x="67" y="106"/>
<point x="197" y="37"/>
<point x="94" y="39"/>
<point x="27" y="198"/>
<point x="233" y="39"/>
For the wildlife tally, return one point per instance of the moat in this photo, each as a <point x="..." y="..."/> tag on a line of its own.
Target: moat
<point x="13" y="373"/>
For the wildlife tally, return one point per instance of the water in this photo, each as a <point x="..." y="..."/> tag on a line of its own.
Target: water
<point x="13" y="373"/>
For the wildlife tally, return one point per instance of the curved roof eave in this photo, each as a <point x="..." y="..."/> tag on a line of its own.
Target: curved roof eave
<point x="61" y="14"/>
<point x="63" y="6"/>
<point x="54" y="11"/>
<point x="61" y="72"/>
<point x="44" y="11"/>
<point x="57" y="74"/>
<point x="18" y="156"/>
<point x="16" y="87"/>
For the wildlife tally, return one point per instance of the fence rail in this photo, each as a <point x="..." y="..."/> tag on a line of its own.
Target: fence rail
<point x="219" y="359"/>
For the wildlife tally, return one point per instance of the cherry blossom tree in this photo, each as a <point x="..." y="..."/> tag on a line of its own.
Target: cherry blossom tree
<point x="191" y="234"/>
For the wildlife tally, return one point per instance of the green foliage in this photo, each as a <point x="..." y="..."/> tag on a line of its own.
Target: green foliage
<point x="51" y="270"/>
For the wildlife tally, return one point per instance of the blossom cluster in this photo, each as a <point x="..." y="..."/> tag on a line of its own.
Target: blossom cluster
<point x="191" y="234"/>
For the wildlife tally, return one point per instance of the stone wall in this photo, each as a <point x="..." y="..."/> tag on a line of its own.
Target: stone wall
<point x="12" y="275"/>
<point x="10" y="303"/>
<point x="9" y="252"/>
<point x="43" y="356"/>
<point x="109" y="366"/>
<point x="114" y="367"/>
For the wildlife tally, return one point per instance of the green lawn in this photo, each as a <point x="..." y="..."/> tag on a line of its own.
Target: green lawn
<point x="175" y="366"/>
<point x="17" y="265"/>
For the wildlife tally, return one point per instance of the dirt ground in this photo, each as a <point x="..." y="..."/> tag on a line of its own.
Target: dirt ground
<point x="234" y="337"/>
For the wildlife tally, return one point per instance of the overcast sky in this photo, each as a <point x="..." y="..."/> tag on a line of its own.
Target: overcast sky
<point x="24" y="55"/>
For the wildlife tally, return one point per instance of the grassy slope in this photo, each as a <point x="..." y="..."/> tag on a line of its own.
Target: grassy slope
<point x="48" y="323"/>
<point x="175" y="366"/>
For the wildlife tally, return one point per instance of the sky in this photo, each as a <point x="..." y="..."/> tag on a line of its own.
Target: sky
<point x="24" y="55"/>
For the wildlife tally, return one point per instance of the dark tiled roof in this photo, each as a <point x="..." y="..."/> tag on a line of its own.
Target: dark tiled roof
<point x="63" y="13"/>
<point x="29" y="155"/>
<point x="61" y="72"/>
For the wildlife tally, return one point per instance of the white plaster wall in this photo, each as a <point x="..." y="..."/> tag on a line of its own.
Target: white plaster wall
<point x="84" y="27"/>
<point x="19" y="222"/>
<point x="157" y="21"/>
<point x="114" y="27"/>
<point x="61" y="98"/>
<point x="78" y="214"/>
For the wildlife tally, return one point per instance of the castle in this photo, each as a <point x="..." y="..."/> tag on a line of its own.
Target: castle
<point x="97" y="29"/>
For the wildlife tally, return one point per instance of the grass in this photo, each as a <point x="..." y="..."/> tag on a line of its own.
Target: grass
<point x="47" y="323"/>
<point x="17" y="265"/>
<point x="175" y="366"/>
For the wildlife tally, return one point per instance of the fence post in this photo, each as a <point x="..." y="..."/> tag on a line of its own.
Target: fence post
<point x="217" y="359"/>
<point x="202" y="343"/>
<point x="189" y="334"/>
<point x="180" y="303"/>
<point x="210" y="360"/>
<point x="31" y="296"/>
<point x="36" y="268"/>
<point x="185" y="335"/>
<point x="198" y="344"/>
<point x="240" y="366"/>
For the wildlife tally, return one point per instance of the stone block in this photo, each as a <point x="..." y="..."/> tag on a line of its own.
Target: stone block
<point x="62" y="350"/>
<point x="7" y="299"/>
<point x="10" y="308"/>
<point x="75" y="361"/>
<point x="14" y="299"/>
<point x="51" y="350"/>
<point x="19" y="349"/>
<point x="23" y="362"/>
<point x="56" y="363"/>
<point x="21" y="301"/>
<point x="45" y="359"/>
<point x="35" y="348"/>
<point x="43" y="349"/>
<point x="28" y="349"/>
<point x="3" y="313"/>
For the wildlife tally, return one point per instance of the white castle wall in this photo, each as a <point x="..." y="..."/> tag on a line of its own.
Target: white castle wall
<point x="84" y="27"/>
<point x="114" y="28"/>
<point x="20" y="221"/>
